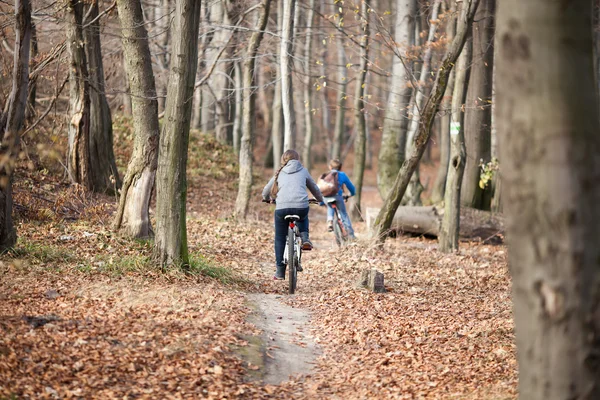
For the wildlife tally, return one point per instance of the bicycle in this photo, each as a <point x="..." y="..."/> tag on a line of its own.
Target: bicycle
<point x="292" y="253"/>
<point x="339" y="229"/>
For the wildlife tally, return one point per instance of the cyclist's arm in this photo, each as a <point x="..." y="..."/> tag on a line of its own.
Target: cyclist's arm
<point x="344" y="180"/>
<point x="314" y="189"/>
<point x="266" y="193"/>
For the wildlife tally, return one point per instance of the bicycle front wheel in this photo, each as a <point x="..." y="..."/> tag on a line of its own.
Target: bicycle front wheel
<point x="292" y="261"/>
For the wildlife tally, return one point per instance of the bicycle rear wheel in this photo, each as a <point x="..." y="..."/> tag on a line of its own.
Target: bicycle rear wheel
<point x="292" y="261"/>
<point x="339" y="231"/>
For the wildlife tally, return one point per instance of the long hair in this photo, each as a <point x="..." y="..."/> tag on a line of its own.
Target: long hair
<point x="285" y="157"/>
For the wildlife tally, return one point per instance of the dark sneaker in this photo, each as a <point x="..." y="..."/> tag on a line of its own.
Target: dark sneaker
<point x="307" y="246"/>
<point x="330" y="226"/>
<point x="299" y="268"/>
<point x="278" y="278"/>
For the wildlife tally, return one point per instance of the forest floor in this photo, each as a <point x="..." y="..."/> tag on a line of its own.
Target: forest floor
<point x="85" y="314"/>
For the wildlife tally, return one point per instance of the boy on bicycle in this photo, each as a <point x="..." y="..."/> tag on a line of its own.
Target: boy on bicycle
<point x="335" y="166"/>
<point x="289" y="186"/>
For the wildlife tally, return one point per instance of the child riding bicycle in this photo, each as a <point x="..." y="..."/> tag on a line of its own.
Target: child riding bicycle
<point x="335" y="167"/>
<point x="288" y="186"/>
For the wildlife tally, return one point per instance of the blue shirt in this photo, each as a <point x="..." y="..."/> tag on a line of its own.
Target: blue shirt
<point x="344" y="180"/>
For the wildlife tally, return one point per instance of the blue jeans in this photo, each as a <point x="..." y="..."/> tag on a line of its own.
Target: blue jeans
<point x="341" y="205"/>
<point x="281" y="230"/>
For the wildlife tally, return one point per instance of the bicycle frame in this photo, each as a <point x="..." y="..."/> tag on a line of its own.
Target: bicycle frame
<point x="293" y="241"/>
<point x="339" y="229"/>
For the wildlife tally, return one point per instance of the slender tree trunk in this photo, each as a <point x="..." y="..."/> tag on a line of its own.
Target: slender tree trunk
<point x="415" y="188"/>
<point x="17" y="103"/>
<point x="171" y="194"/>
<point x="360" y="125"/>
<point x="340" y="118"/>
<point x="287" y="100"/>
<point x="308" y="105"/>
<point x="163" y="23"/>
<point x="237" y="122"/>
<point x="245" y="181"/>
<point x="31" y="97"/>
<point x="439" y="186"/>
<point x="277" y="127"/>
<point x="103" y="168"/>
<point x="134" y="203"/>
<point x="78" y="160"/>
<point x="219" y="80"/>
<point x="386" y="214"/>
<point x="450" y="227"/>
<point x="550" y="150"/>
<point x="393" y="138"/>
<point x="478" y="112"/>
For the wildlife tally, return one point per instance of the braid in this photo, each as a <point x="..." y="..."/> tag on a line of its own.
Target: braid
<point x="275" y="187"/>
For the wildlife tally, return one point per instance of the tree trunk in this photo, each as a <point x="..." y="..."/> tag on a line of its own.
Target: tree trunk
<point x="220" y="79"/>
<point x="287" y="100"/>
<point x="360" y="143"/>
<point x="478" y="111"/>
<point x="439" y="186"/>
<point x="415" y="188"/>
<point x="78" y="161"/>
<point x="134" y="203"/>
<point x="393" y="138"/>
<point x="237" y="121"/>
<point x="171" y="194"/>
<point x="392" y="202"/>
<point x="550" y="150"/>
<point x="450" y="230"/>
<point x="31" y="97"/>
<point x="162" y="18"/>
<point x="245" y="181"/>
<point x="103" y="168"/>
<point x="17" y="103"/>
<point x="308" y="105"/>
<point x="340" y="118"/>
<point x="277" y="127"/>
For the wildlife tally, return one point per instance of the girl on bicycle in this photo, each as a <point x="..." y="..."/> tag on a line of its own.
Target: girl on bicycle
<point x="288" y="186"/>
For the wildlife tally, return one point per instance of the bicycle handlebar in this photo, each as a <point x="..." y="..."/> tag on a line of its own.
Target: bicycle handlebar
<point x="272" y="201"/>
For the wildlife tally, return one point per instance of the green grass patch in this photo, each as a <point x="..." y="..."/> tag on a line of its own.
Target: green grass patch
<point x="39" y="253"/>
<point x="199" y="265"/>
<point x="118" y="266"/>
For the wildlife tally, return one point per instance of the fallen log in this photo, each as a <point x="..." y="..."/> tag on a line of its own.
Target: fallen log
<point x="474" y="224"/>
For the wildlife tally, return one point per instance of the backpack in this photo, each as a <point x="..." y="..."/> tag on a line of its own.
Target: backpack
<point x="328" y="184"/>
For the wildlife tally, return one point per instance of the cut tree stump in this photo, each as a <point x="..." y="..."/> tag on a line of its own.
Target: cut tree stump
<point x="474" y="224"/>
<point x="373" y="280"/>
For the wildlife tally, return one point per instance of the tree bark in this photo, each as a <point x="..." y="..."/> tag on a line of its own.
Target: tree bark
<point x="392" y="202"/>
<point x="31" y="97"/>
<point x="415" y="188"/>
<point x="171" y="235"/>
<point x="245" y="181"/>
<point x="17" y="103"/>
<point x="134" y="202"/>
<point x="237" y="121"/>
<point x="78" y="161"/>
<point x="550" y="150"/>
<point x="478" y="112"/>
<point x="220" y="79"/>
<point x="339" y="129"/>
<point x="450" y="229"/>
<point x="393" y="138"/>
<point x="277" y="127"/>
<point x="103" y="168"/>
<point x="439" y="186"/>
<point x="360" y="126"/>
<point x="308" y="105"/>
<point x="287" y="100"/>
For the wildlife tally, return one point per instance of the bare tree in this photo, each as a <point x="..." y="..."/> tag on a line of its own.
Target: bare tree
<point x="450" y="227"/>
<point x="134" y="203"/>
<point x="16" y="104"/>
<point x="360" y="125"/>
<point x="550" y="150"/>
<point x="171" y="192"/>
<point x="277" y="127"/>
<point x="393" y="138"/>
<point x="308" y="116"/>
<point x="245" y="181"/>
<point x="386" y="214"/>
<point x="287" y="96"/>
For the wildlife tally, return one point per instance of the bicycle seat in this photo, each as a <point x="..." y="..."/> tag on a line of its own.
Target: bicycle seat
<point x="330" y="200"/>
<point x="292" y="218"/>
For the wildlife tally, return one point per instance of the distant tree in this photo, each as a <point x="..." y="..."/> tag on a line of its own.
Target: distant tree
<point x="548" y="130"/>
<point x="16" y="105"/>
<point x="287" y="95"/>
<point x="245" y="181"/>
<point x="171" y="183"/>
<point x="308" y="115"/>
<point x="386" y="214"/>
<point x="134" y="202"/>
